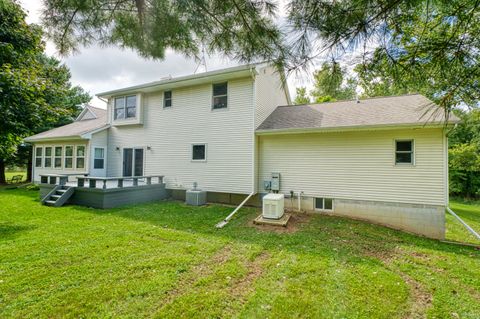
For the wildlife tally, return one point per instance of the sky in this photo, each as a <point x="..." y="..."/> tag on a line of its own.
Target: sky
<point x="99" y="69"/>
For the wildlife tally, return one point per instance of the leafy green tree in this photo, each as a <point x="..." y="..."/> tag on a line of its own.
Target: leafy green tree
<point x="464" y="155"/>
<point x="35" y="90"/>
<point x="301" y="96"/>
<point x="329" y="84"/>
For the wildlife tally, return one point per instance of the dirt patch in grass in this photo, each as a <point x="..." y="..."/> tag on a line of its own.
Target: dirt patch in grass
<point x="294" y="224"/>
<point x="420" y="298"/>
<point x="244" y="286"/>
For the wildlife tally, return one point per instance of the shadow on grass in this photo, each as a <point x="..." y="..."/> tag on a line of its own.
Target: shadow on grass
<point x="341" y="238"/>
<point x="9" y="231"/>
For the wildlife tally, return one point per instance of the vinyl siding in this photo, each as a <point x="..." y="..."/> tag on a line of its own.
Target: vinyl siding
<point x="357" y="165"/>
<point x="170" y="133"/>
<point x="42" y="170"/>
<point x="269" y="93"/>
<point x="99" y="139"/>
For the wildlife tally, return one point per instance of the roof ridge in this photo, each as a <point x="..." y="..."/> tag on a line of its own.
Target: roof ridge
<point x="349" y="100"/>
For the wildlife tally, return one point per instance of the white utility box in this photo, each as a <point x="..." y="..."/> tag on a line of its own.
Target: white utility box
<point x="273" y="206"/>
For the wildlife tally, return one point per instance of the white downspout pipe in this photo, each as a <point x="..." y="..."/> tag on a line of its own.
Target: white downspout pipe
<point x="470" y="229"/>
<point x="227" y="219"/>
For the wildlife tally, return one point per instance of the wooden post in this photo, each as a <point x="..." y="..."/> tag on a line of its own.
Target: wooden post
<point x="104" y="184"/>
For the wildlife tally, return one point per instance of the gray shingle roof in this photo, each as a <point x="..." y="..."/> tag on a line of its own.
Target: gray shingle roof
<point x="75" y="129"/>
<point x="385" y="111"/>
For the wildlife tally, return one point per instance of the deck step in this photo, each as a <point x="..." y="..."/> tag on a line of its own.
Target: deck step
<point x="61" y="191"/>
<point x="56" y="196"/>
<point x="50" y="202"/>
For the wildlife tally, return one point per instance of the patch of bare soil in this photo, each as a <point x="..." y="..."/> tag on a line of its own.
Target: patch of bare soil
<point x="243" y="287"/>
<point x="420" y="298"/>
<point x="293" y="225"/>
<point x="201" y="270"/>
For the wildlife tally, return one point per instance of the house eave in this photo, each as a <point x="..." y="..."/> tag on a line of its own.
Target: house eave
<point x="352" y="128"/>
<point x="56" y="138"/>
<point x="182" y="81"/>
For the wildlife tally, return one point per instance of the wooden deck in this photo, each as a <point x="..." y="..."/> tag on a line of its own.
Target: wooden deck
<point x="106" y="192"/>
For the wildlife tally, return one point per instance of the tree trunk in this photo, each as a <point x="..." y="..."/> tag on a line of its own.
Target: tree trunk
<point x="2" y="172"/>
<point x="29" y="167"/>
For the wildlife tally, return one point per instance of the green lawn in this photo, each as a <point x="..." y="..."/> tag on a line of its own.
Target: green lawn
<point x="167" y="260"/>
<point x="9" y="175"/>
<point x="470" y="213"/>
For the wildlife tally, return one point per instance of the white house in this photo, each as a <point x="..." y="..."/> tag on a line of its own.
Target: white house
<point x="382" y="159"/>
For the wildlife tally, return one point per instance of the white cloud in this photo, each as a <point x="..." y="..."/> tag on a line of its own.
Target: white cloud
<point x="98" y="69"/>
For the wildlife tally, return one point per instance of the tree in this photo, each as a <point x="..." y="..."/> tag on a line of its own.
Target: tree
<point x="35" y="90"/>
<point x="436" y="41"/>
<point x="464" y="154"/>
<point x="330" y="86"/>
<point x="301" y="96"/>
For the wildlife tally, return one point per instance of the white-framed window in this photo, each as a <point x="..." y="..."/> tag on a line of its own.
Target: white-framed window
<point x="322" y="203"/>
<point x="80" y="156"/>
<point x="167" y="99"/>
<point x="57" y="160"/>
<point x="47" y="162"/>
<point x="68" y="159"/>
<point x="220" y="95"/>
<point x="404" y="152"/>
<point x="98" y="158"/>
<point x="125" y="107"/>
<point x="38" y="156"/>
<point x="199" y="152"/>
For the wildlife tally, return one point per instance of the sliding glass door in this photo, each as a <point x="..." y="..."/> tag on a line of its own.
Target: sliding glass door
<point x="132" y="161"/>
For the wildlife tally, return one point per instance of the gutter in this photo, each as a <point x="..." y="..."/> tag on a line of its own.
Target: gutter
<point x="346" y="128"/>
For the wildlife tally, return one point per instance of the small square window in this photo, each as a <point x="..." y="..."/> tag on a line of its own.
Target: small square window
<point x="199" y="152"/>
<point x="167" y="99"/>
<point x="404" y="152"/>
<point x="323" y="203"/>
<point x="220" y="95"/>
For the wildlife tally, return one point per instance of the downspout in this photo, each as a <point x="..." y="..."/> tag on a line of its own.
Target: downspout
<point x="470" y="229"/>
<point x="227" y="219"/>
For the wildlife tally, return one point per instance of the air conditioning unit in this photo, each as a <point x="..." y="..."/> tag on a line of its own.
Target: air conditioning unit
<point x="273" y="205"/>
<point x="195" y="196"/>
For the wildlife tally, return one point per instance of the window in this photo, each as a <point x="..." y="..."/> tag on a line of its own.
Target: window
<point x="323" y="203"/>
<point x="167" y="99"/>
<point x="58" y="156"/>
<point x="125" y="107"/>
<point x="99" y="158"/>
<point x="199" y="152"/>
<point x="68" y="157"/>
<point x="80" y="157"/>
<point x="38" y="156"/>
<point x="48" y="157"/>
<point x="220" y="95"/>
<point x="404" y="152"/>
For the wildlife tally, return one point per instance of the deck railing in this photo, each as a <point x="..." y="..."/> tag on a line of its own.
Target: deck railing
<point x="105" y="182"/>
<point x="91" y="182"/>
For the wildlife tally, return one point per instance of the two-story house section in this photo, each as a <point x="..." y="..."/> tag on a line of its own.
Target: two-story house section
<point x="198" y="128"/>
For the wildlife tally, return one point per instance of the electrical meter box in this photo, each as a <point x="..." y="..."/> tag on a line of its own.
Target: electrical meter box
<point x="275" y="182"/>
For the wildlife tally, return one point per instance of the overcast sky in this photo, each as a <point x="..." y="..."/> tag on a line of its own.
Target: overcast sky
<point x="98" y="69"/>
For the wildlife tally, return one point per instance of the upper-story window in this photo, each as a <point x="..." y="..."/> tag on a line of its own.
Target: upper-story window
<point x="220" y="96"/>
<point x="125" y="107"/>
<point x="167" y="99"/>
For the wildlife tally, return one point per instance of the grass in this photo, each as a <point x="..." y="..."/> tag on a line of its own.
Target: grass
<point x="166" y="260"/>
<point x="9" y="175"/>
<point x="470" y="213"/>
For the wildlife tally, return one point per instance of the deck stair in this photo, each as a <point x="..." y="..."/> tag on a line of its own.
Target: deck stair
<point x="58" y="196"/>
